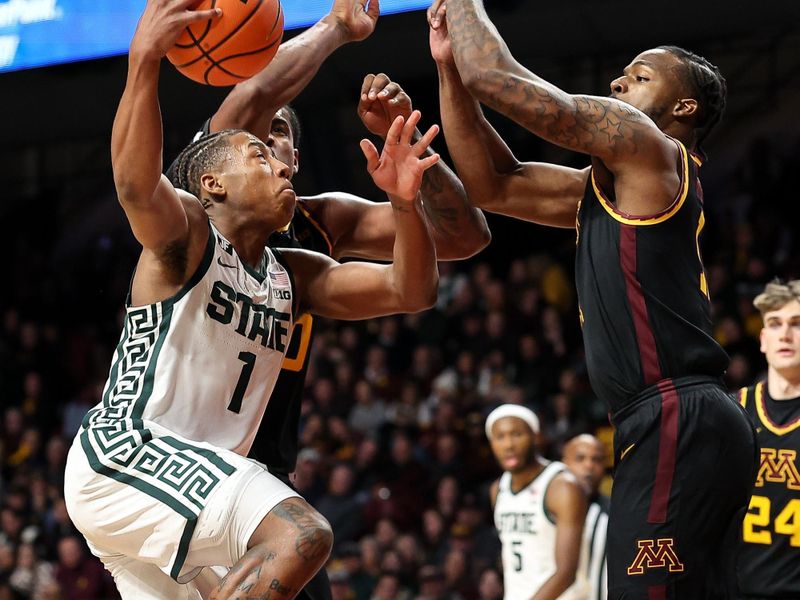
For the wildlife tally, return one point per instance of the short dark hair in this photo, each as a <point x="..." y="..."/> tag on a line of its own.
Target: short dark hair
<point x="201" y="156"/>
<point x="705" y="82"/>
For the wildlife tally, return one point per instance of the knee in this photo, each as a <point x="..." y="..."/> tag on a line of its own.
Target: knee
<point x="304" y="530"/>
<point x="314" y="541"/>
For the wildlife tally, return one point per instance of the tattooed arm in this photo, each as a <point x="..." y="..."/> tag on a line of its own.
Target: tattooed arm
<point x="493" y="177"/>
<point x="625" y="140"/>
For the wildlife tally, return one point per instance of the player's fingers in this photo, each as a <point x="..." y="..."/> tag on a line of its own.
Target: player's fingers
<point x="427" y="162"/>
<point x="192" y="16"/>
<point x="434" y="13"/>
<point x="374" y="9"/>
<point x="402" y="99"/>
<point x="390" y="91"/>
<point x="395" y="129"/>
<point x="378" y="85"/>
<point x="366" y="85"/>
<point x="371" y="154"/>
<point x="410" y="126"/>
<point x="425" y="141"/>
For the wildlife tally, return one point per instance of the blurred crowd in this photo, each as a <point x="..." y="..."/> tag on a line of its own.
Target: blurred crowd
<point x="393" y="446"/>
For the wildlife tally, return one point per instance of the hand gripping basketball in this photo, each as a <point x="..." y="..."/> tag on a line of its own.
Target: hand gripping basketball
<point x="163" y="21"/>
<point x="232" y="48"/>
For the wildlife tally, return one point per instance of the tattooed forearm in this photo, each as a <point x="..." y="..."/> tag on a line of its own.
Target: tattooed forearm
<point x="602" y="127"/>
<point x="460" y="229"/>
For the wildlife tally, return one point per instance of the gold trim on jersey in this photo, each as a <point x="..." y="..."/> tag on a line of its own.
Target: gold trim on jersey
<point x="305" y="322"/>
<point x="652" y="219"/>
<point x="701" y="222"/>
<point x="743" y="396"/>
<point x="319" y="227"/>
<point x="761" y="409"/>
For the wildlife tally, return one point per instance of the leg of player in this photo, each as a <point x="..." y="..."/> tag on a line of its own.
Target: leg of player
<point x="289" y="546"/>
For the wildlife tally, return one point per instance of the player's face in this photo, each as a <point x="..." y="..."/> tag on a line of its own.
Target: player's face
<point x="259" y="182"/>
<point x="512" y="443"/>
<point x="587" y="461"/>
<point x="652" y="84"/>
<point x="281" y="140"/>
<point x="780" y="337"/>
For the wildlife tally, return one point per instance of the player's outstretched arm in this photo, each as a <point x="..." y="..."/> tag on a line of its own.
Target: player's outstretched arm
<point x="409" y="284"/>
<point x="493" y="177"/>
<point x="566" y="500"/>
<point x="252" y="103"/>
<point x="364" y="229"/>
<point x="153" y="207"/>
<point x="603" y="127"/>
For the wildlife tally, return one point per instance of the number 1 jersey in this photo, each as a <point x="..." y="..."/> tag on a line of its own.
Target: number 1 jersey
<point x="202" y="364"/>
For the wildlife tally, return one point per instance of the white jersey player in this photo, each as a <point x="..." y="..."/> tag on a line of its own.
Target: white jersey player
<point x="539" y="512"/>
<point x="156" y="479"/>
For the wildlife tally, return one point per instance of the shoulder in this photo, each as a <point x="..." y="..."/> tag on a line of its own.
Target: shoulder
<point x="565" y="491"/>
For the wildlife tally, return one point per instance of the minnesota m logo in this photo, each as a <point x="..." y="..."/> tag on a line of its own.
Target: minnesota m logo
<point x="655" y="554"/>
<point x="778" y="466"/>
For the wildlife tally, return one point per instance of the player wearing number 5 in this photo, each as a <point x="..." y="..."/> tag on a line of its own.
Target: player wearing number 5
<point x="770" y="554"/>
<point x="157" y="478"/>
<point x="539" y="512"/>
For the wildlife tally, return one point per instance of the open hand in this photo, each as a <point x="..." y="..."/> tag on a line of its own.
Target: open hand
<point x="161" y="24"/>
<point x="381" y="102"/>
<point x="356" y="17"/>
<point x="398" y="170"/>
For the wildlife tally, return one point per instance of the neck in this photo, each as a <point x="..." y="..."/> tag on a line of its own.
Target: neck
<point x="524" y="476"/>
<point x="682" y="133"/>
<point x="783" y="384"/>
<point x="248" y="239"/>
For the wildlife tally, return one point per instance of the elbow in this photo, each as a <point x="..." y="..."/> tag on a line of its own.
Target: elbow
<point x="468" y="246"/>
<point x="422" y="298"/>
<point x="480" y="241"/>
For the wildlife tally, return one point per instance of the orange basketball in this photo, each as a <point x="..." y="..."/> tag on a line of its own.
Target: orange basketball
<point x="233" y="47"/>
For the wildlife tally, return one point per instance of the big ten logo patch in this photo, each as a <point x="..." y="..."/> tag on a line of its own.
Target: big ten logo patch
<point x="778" y="466"/>
<point x="655" y="554"/>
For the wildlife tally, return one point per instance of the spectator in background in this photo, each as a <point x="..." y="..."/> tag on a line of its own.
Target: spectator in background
<point x="79" y="576"/>
<point x="432" y="584"/>
<point x="31" y="575"/>
<point x="340" y="506"/>
<point x="369" y="412"/>
<point x="490" y="585"/>
<point x="359" y="580"/>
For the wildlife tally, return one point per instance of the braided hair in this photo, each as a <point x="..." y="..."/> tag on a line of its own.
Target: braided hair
<point x="201" y="156"/>
<point x="705" y="82"/>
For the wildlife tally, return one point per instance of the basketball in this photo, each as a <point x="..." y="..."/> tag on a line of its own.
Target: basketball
<point x="232" y="48"/>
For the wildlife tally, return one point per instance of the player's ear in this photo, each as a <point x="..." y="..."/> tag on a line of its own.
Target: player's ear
<point x="213" y="186"/>
<point x="685" y="108"/>
<point x="296" y="162"/>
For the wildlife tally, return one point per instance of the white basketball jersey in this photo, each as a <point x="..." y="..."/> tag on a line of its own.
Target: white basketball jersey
<point x="203" y="363"/>
<point x="528" y="534"/>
